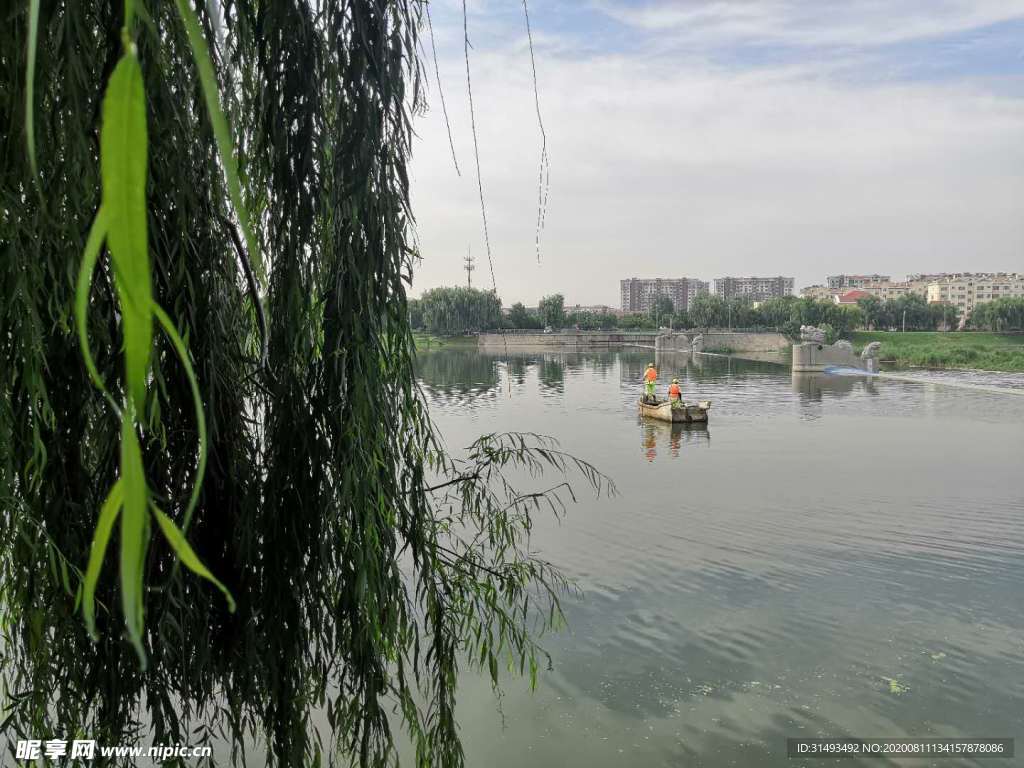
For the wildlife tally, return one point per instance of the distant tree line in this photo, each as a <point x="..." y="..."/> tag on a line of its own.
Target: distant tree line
<point x="910" y="312"/>
<point x="999" y="315"/>
<point x="459" y="310"/>
<point x="455" y="310"/>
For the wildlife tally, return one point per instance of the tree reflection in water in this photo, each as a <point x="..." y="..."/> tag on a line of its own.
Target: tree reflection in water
<point x="456" y="375"/>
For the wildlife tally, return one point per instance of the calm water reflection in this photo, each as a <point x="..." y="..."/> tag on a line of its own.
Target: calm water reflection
<point x="763" y="577"/>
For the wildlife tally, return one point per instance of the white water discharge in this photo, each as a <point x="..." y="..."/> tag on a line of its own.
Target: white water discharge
<point x="1005" y="384"/>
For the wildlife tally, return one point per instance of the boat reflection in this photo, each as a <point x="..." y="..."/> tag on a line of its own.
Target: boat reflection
<point x="670" y="437"/>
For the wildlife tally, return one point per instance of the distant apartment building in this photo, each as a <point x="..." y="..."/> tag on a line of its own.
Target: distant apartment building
<point x="638" y="294"/>
<point x="851" y="297"/>
<point x="888" y="290"/>
<point x="596" y="309"/>
<point x="884" y="290"/>
<point x="932" y="277"/>
<point x="819" y="292"/>
<point x="756" y="288"/>
<point x="966" y="291"/>
<point x="846" y="282"/>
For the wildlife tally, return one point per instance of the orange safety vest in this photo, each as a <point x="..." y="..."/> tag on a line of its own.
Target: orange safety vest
<point x="675" y="391"/>
<point x="651" y="375"/>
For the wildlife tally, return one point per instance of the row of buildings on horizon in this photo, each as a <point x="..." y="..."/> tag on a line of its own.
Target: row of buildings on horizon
<point x="963" y="290"/>
<point x="639" y="294"/>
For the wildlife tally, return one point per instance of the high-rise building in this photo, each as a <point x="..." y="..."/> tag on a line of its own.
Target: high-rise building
<point x="756" y="288"/>
<point x="846" y="282"/>
<point x="638" y="294"/>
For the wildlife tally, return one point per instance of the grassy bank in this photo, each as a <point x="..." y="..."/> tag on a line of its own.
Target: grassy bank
<point x="986" y="351"/>
<point x="425" y="341"/>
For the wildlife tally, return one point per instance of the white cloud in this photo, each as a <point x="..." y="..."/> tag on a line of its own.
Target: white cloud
<point x="661" y="169"/>
<point x="819" y="23"/>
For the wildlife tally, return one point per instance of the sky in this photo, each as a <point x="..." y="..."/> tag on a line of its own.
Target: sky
<point x="727" y="137"/>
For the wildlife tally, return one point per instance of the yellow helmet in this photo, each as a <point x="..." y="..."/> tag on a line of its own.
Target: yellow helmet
<point x="675" y="381"/>
<point x="650" y="365"/>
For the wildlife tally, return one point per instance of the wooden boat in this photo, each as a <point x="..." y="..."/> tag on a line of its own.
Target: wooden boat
<point x="687" y="413"/>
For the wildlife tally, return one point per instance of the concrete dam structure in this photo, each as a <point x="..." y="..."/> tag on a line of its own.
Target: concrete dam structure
<point x="567" y="339"/>
<point x="813" y="355"/>
<point x="711" y="341"/>
<point x="721" y="341"/>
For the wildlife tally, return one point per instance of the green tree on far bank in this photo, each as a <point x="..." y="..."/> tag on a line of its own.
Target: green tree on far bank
<point x="457" y="310"/>
<point x="591" y="321"/>
<point x="637" y="322"/>
<point x="871" y="309"/>
<point x="661" y="309"/>
<point x="415" y="314"/>
<point x="776" y="311"/>
<point x="552" y="310"/>
<point x="1003" y="314"/>
<point x="909" y="312"/>
<point x="707" y="311"/>
<point x="912" y="312"/>
<point x="520" y="317"/>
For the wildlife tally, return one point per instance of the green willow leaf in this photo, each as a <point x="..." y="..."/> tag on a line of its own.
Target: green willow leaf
<point x="134" y="533"/>
<point x="221" y="130"/>
<point x="123" y="144"/>
<point x="97" y="232"/>
<point x="179" y="347"/>
<point x="100" y="538"/>
<point x="187" y="555"/>
<point x="30" y="87"/>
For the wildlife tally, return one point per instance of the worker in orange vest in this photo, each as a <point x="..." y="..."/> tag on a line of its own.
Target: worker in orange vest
<point x="674" y="392"/>
<point x="650" y="377"/>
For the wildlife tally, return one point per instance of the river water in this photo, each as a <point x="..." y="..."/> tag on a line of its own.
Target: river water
<point x="829" y="557"/>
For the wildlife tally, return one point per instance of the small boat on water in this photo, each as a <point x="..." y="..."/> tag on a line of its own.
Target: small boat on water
<point x="687" y="413"/>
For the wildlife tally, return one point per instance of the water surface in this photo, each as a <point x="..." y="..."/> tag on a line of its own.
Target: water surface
<point x="830" y="556"/>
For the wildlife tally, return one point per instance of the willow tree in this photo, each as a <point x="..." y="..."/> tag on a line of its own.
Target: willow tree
<point x="457" y="309"/>
<point x="223" y="509"/>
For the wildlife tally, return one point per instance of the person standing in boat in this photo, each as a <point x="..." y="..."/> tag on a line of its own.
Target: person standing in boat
<point x="650" y="379"/>
<point x="675" y="394"/>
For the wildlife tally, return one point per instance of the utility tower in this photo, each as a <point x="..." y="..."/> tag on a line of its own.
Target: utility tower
<point x="469" y="268"/>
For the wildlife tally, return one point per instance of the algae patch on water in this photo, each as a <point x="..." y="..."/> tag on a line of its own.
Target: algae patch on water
<point x="896" y="686"/>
